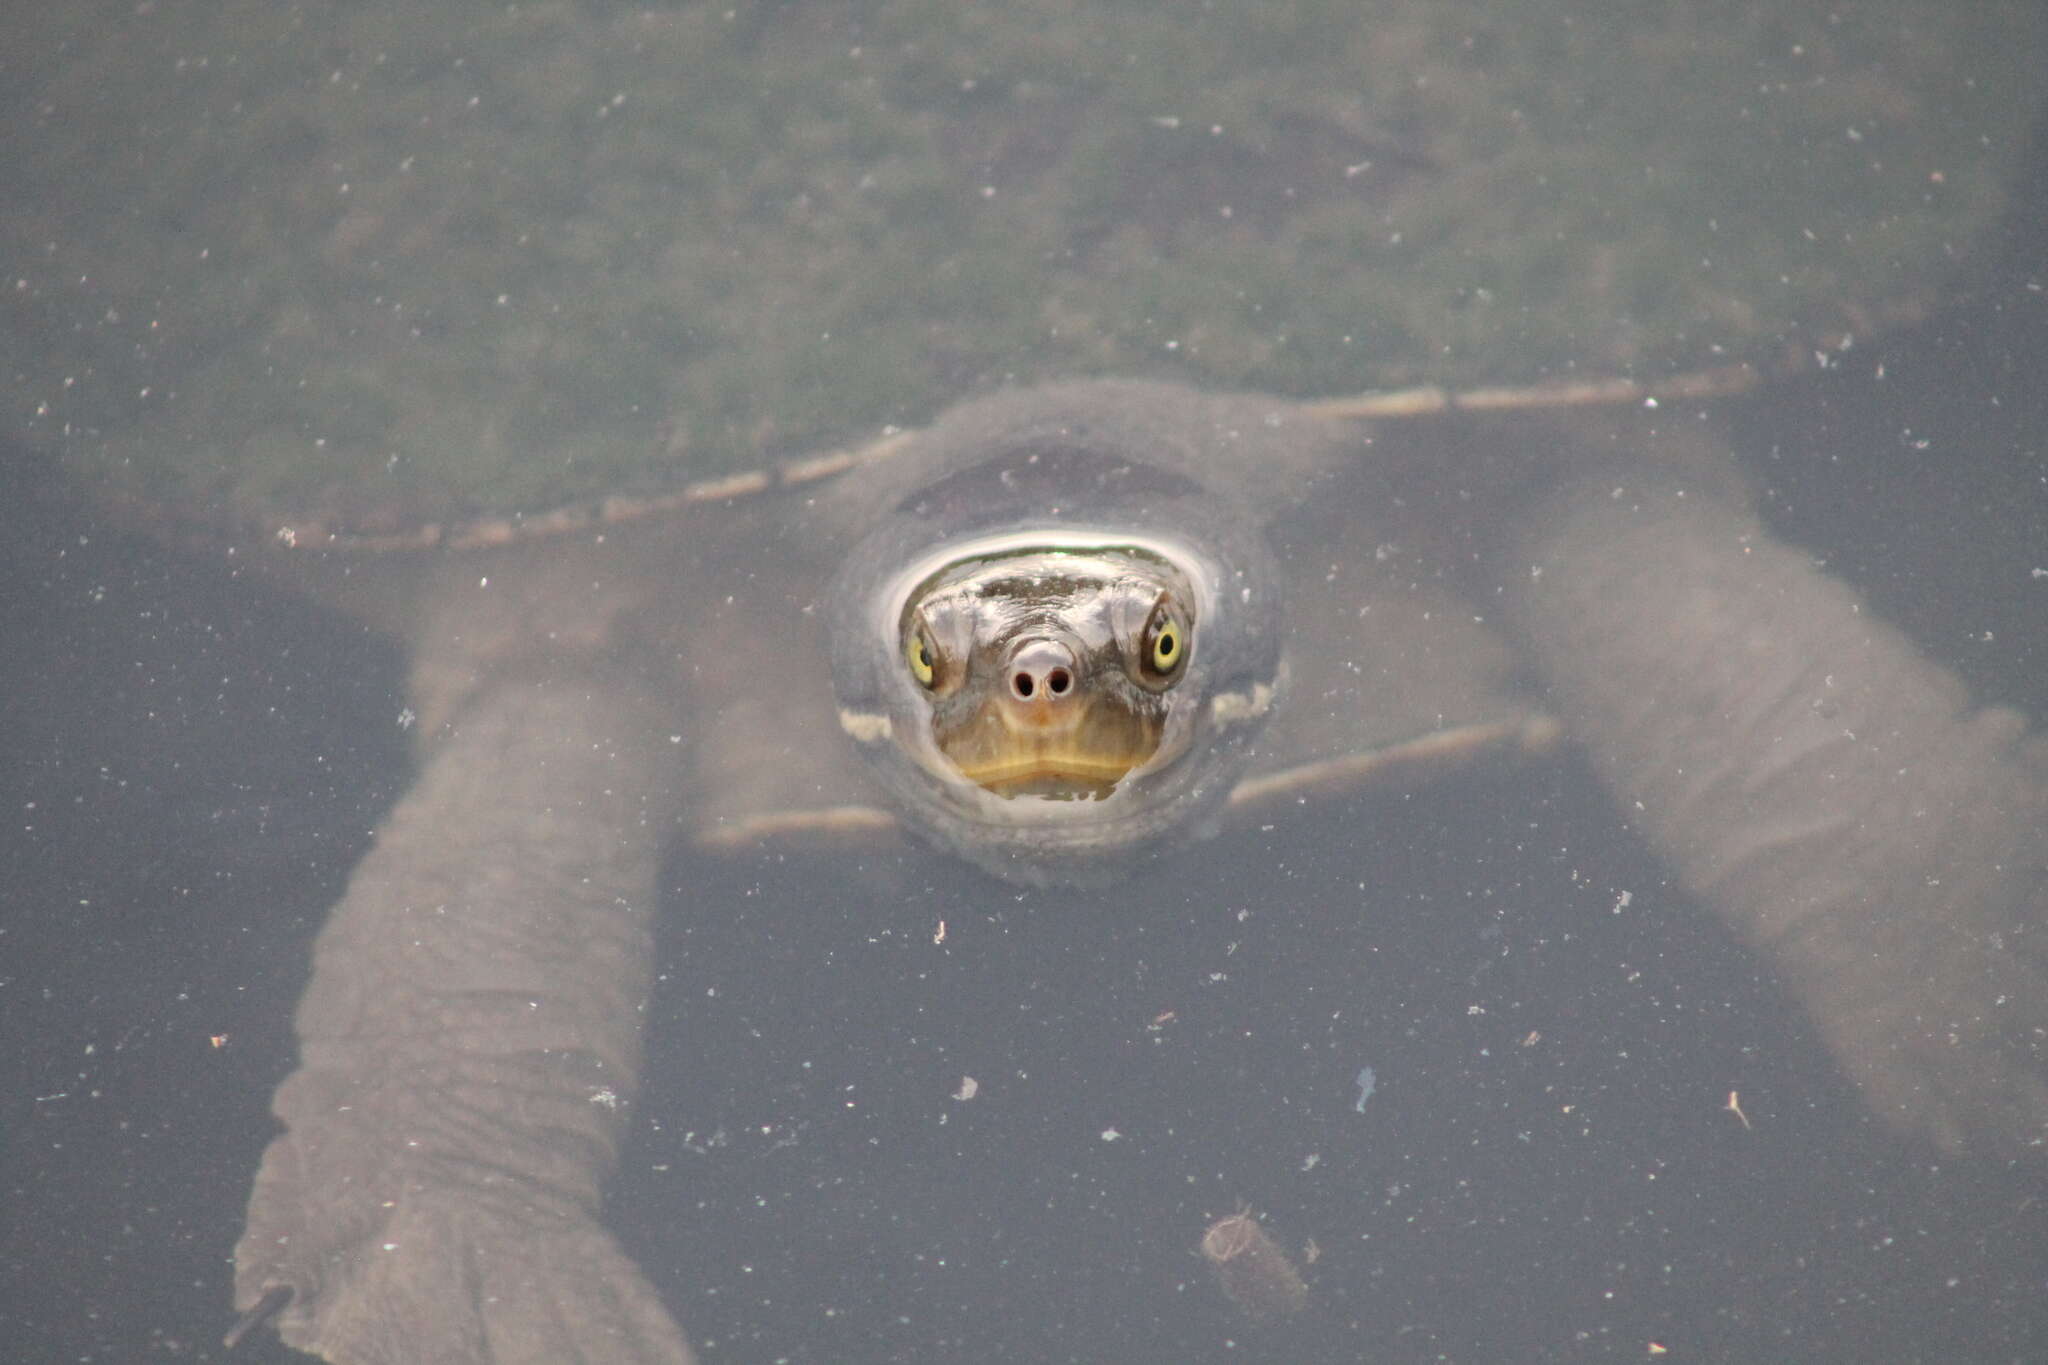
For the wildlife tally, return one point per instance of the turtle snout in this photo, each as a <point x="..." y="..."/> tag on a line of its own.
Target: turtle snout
<point x="1043" y="672"/>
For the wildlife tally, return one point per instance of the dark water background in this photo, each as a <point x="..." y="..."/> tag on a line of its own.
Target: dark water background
<point x="189" y="762"/>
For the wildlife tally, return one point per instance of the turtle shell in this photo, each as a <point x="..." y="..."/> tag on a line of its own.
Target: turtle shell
<point x="381" y="266"/>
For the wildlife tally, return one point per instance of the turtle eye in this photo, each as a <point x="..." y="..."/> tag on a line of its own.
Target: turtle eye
<point x="1166" y="641"/>
<point x="921" y="655"/>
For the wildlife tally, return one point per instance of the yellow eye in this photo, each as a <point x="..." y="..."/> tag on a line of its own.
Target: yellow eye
<point x="922" y="658"/>
<point x="1166" y="641"/>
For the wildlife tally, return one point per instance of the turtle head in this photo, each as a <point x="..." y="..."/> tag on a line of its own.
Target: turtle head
<point x="1056" y="675"/>
<point x="1051" y="673"/>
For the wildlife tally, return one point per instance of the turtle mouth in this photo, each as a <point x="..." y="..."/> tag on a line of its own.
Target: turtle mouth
<point x="1064" y="777"/>
<point x="1009" y="756"/>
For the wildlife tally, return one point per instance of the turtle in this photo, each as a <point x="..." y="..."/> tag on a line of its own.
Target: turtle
<point x="566" y="668"/>
<point x="1088" y="550"/>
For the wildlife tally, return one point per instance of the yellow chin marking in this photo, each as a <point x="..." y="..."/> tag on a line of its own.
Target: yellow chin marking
<point x="1086" y="755"/>
<point x="1083" y="770"/>
<point x="1066" y="776"/>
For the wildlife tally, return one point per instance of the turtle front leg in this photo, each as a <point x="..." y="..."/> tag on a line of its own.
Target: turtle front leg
<point x="1812" y="775"/>
<point x="470" y="1047"/>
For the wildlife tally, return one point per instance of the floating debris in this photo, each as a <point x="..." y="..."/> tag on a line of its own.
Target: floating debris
<point x="1365" y="1088"/>
<point x="1254" y="1272"/>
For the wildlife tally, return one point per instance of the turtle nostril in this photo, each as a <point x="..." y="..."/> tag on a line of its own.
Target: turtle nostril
<point x="1043" y="670"/>
<point x="1054" y="682"/>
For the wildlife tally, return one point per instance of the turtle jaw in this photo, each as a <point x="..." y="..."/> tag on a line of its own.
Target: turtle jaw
<point x="1066" y="775"/>
<point x="1049" y="782"/>
<point x="1076" y="749"/>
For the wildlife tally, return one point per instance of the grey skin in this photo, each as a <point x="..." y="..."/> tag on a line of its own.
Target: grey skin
<point x="470" y="1042"/>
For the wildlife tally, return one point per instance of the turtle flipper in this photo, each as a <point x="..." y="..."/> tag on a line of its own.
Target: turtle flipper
<point x="470" y="1044"/>
<point x="1816" y="779"/>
